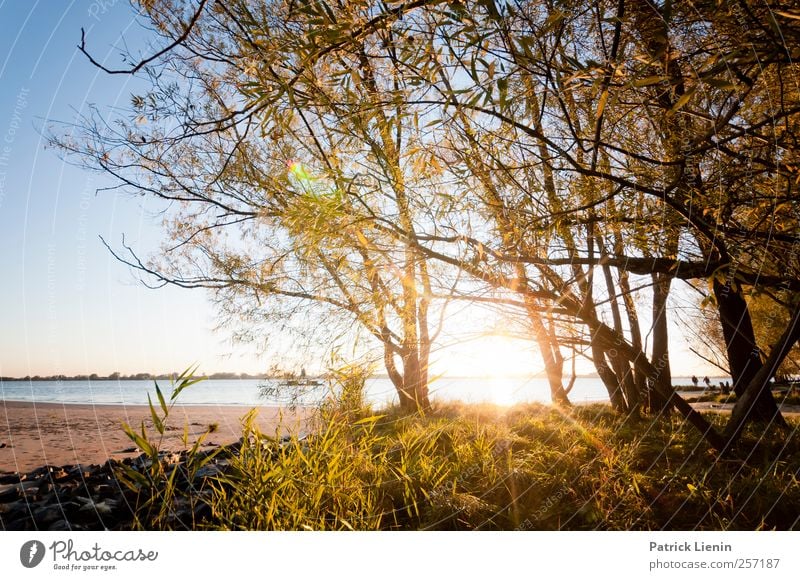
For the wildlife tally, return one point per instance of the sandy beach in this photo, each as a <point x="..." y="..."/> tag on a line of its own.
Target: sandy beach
<point x="33" y="435"/>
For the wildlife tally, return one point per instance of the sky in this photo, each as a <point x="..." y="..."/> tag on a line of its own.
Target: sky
<point x="66" y="305"/>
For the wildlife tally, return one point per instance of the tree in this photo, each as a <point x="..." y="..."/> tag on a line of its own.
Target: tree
<point x="524" y="145"/>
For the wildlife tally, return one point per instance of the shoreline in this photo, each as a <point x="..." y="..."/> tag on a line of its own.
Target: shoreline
<point x="36" y="434"/>
<point x="33" y="435"/>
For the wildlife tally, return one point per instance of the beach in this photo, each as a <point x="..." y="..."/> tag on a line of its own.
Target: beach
<point x="37" y="434"/>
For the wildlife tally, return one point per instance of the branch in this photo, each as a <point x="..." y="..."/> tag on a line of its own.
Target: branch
<point x="142" y="63"/>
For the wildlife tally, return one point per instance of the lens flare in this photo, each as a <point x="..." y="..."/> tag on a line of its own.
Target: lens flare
<point x="301" y="173"/>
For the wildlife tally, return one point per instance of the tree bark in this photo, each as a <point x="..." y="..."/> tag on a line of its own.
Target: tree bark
<point x="609" y="378"/>
<point x="744" y="358"/>
<point x="661" y="284"/>
<point x="760" y="382"/>
<point x="553" y="364"/>
<point x="621" y="366"/>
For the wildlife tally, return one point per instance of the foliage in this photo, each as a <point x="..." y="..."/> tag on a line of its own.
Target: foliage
<point x="530" y="467"/>
<point x="374" y="161"/>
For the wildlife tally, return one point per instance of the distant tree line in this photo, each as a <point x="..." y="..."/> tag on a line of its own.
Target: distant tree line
<point x="135" y="377"/>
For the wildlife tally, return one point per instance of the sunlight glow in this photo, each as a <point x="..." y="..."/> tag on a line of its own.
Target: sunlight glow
<point x="489" y="356"/>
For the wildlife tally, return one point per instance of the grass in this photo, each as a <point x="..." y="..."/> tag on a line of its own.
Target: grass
<point x="480" y="467"/>
<point x="531" y="467"/>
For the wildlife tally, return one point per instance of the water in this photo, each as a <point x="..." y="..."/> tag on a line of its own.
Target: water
<point x="380" y="391"/>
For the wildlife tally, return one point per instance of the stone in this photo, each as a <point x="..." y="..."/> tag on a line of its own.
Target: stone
<point x="59" y="526"/>
<point x="171" y="458"/>
<point x="11" y="478"/>
<point x="80" y="471"/>
<point x="14" y="509"/>
<point x="209" y="470"/>
<point x="105" y="490"/>
<point x="9" y="493"/>
<point x="59" y="475"/>
<point x="46" y="515"/>
<point x="13" y="492"/>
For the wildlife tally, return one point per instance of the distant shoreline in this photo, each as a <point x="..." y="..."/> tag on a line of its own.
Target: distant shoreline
<point x="261" y="377"/>
<point x="141" y="377"/>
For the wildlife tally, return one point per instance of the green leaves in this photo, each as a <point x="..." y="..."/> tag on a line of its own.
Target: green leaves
<point x="152" y="480"/>
<point x="157" y="422"/>
<point x="184" y="380"/>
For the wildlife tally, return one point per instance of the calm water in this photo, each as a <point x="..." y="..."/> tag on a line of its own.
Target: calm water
<point x="247" y="392"/>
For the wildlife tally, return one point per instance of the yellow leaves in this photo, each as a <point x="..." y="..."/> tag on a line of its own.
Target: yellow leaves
<point x="649" y="81"/>
<point x="601" y="105"/>
<point x="723" y="84"/>
<point x="681" y="102"/>
<point x="792" y="15"/>
<point x="425" y="164"/>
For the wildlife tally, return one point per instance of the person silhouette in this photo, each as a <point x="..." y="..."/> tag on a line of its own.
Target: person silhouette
<point x="707" y="381"/>
<point x="694" y="380"/>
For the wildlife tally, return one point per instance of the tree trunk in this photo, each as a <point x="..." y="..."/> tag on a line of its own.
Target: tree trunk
<point x="636" y="334"/>
<point x="744" y="358"/>
<point x="620" y="365"/>
<point x="657" y="403"/>
<point x="553" y="364"/>
<point x="413" y="395"/>
<point x="760" y="382"/>
<point x="607" y="338"/>
<point x="610" y="380"/>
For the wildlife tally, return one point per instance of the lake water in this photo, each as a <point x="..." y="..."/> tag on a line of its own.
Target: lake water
<point x="249" y="392"/>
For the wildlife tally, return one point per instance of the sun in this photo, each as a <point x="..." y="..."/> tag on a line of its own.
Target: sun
<point x="490" y="357"/>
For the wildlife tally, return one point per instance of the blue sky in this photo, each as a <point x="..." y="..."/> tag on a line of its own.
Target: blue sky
<point x="66" y="306"/>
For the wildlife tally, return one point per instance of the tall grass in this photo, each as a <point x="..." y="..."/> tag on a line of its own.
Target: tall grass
<point x="463" y="467"/>
<point x="159" y="483"/>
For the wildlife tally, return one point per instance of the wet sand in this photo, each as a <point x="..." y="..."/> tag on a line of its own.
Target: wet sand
<point x="33" y="435"/>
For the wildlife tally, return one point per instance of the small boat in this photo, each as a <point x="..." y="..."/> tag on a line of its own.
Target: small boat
<point x="302" y="383"/>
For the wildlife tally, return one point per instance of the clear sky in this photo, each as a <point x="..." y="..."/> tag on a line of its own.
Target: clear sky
<point x="66" y="306"/>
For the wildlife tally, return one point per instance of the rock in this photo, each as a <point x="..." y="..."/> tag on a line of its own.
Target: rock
<point x="13" y="510"/>
<point x="129" y="450"/>
<point x="11" y="478"/>
<point x="9" y="493"/>
<point x="80" y="471"/>
<point x="105" y="490"/>
<point x="89" y="497"/>
<point x="101" y="508"/>
<point x="40" y="472"/>
<point x="85" y="503"/>
<point x="170" y="458"/>
<point x="209" y="470"/>
<point x="3" y="445"/>
<point x="21" y="524"/>
<point x="59" y="475"/>
<point x="13" y="492"/>
<point x="59" y="526"/>
<point x="47" y="515"/>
